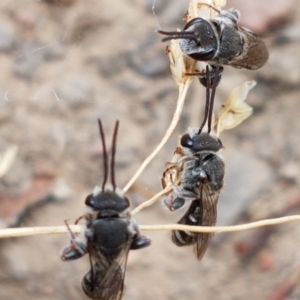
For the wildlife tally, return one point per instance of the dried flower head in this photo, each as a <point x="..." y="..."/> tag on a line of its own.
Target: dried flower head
<point x="180" y="64"/>
<point x="201" y="9"/>
<point x="234" y="110"/>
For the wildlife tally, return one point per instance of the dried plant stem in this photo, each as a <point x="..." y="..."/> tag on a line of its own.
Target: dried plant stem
<point x="181" y="98"/>
<point x="151" y="201"/>
<point x="17" y="232"/>
<point x="26" y="231"/>
<point x="267" y="222"/>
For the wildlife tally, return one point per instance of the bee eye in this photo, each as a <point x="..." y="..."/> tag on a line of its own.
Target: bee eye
<point x="187" y="141"/>
<point x="220" y="143"/>
<point x="89" y="200"/>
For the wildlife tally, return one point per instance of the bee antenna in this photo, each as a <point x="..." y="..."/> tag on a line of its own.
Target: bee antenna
<point x="113" y="155"/>
<point x="176" y="35"/>
<point x="206" y="112"/>
<point x="180" y="37"/>
<point x="213" y="93"/>
<point x="210" y="97"/>
<point x="105" y="156"/>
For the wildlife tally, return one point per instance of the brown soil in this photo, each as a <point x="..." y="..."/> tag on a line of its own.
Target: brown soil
<point x="65" y="65"/>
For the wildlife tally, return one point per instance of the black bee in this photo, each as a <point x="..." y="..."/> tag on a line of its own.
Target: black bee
<point x="194" y="216"/>
<point x="199" y="175"/>
<point x="221" y="41"/>
<point x="110" y="233"/>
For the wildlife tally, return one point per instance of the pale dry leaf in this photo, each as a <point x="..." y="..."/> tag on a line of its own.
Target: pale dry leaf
<point x="201" y="9"/>
<point x="219" y="3"/>
<point x="180" y="64"/>
<point x="234" y="110"/>
<point x="7" y="158"/>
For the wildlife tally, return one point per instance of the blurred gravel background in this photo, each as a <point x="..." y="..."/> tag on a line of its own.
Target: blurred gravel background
<point x="66" y="63"/>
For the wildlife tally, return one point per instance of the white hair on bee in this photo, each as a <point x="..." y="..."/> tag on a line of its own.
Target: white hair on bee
<point x="97" y="190"/>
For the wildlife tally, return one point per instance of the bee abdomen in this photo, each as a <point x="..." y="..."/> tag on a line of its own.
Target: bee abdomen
<point x="182" y="238"/>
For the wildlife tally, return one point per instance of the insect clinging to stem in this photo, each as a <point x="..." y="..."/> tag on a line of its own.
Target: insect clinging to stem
<point x="221" y="41"/>
<point x="196" y="174"/>
<point x="110" y="234"/>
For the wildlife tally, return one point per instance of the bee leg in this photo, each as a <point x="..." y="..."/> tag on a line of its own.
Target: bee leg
<point x="183" y="193"/>
<point x="209" y="76"/>
<point x="168" y="201"/>
<point x="139" y="242"/>
<point x="173" y="204"/>
<point x="77" y="221"/>
<point x="182" y="238"/>
<point x="77" y="248"/>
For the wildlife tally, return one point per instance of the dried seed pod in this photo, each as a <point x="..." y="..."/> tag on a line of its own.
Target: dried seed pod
<point x="234" y="110"/>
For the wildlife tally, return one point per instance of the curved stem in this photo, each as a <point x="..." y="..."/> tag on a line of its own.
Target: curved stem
<point x="18" y="232"/>
<point x="181" y="98"/>
<point x="151" y="201"/>
<point x="252" y="225"/>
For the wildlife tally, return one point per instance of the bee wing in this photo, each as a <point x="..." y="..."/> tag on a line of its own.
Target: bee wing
<point x="105" y="280"/>
<point x="255" y="54"/>
<point x="208" y="203"/>
<point x="191" y="217"/>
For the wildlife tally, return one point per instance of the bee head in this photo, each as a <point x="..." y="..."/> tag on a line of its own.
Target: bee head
<point x="108" y="203"/>
<point x="201" y="142"/>
<point x="197" y="39"/>
<point x="204" y="44"/>
<point x="108" y="200"/>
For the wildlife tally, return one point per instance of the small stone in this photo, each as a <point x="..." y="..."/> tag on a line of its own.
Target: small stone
<point x="149" y="60"/>
<point x="173" y="14"/>
<point x="110" y="66"/>
<point x="17" y="178"/>
<point x="282" y="67"/>
<point x="245" y="177"/>
<point x="266" y="260"/>
<point x="290" y="171"/>
<point x="85" y="24"/>
<point x="28" y="58"/>
<point x="7" y="38"/>
<point x="260" y="16"/>
<point x="61" y="2"/>
<point x="156" y="6"/>
<point x="25" y="18"/>
<point x="55" y="52"/>
<point x="77" y="91"/>
<point x="6" y="106"/>
<point x="61" y="190"/>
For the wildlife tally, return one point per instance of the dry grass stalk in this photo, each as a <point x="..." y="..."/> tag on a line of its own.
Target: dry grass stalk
<point x="183" y="88"/>
<point x="18" y="232"/>
<point x="152" y="200"/>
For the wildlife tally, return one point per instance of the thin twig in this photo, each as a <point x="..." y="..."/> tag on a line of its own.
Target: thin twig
<point x="151" y="201"/>
<point x="267" y="222"/>
<point x="17" y="232"/>
<point x="26" y="231"/>
<point x="181" y="98"/>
